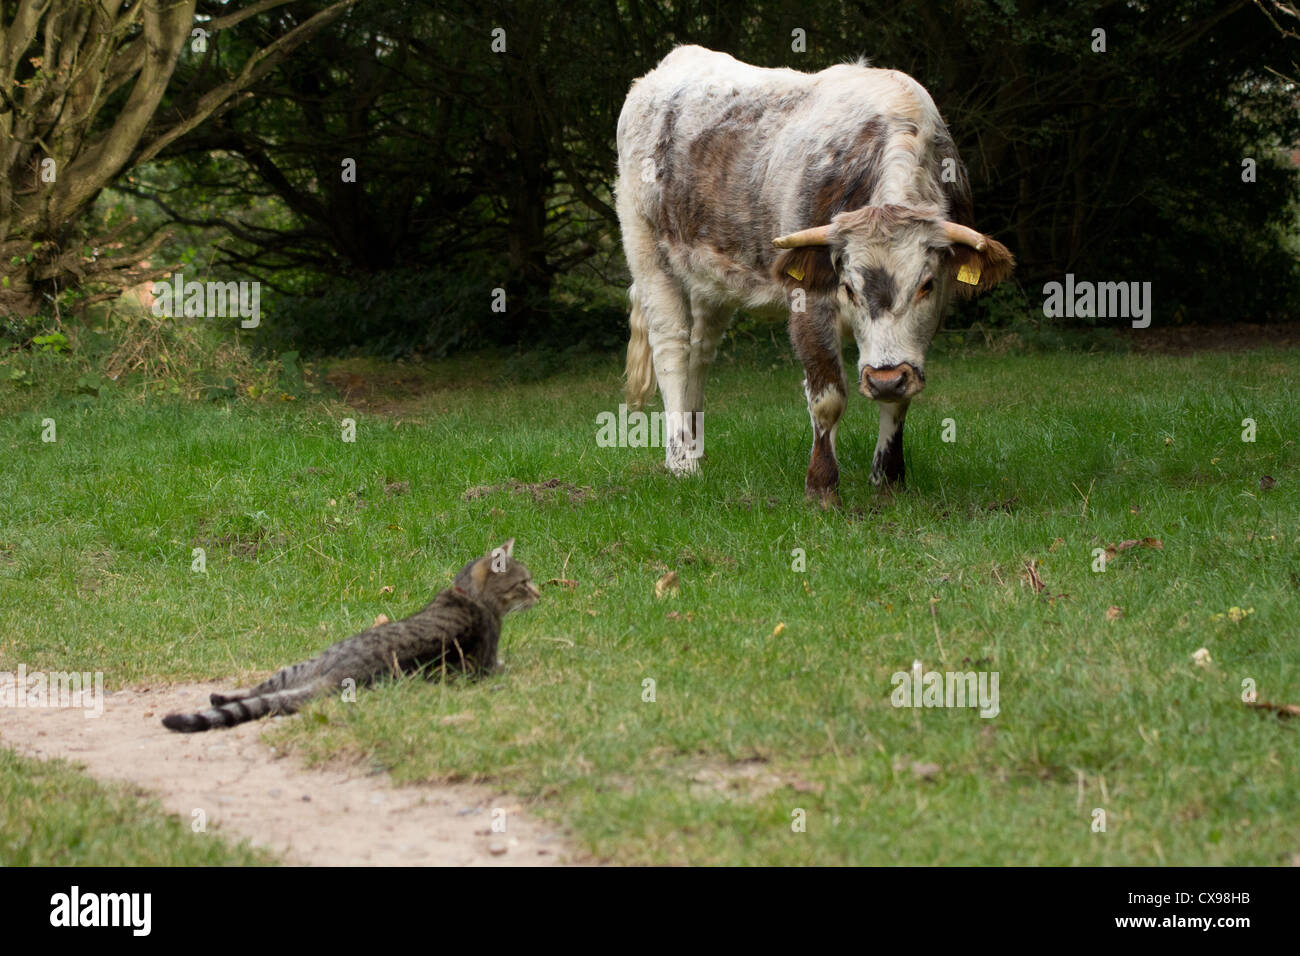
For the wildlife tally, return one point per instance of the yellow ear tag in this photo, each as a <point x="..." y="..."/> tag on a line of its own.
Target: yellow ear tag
<point x="969" y="275"/>
<point x="795" y="272"/>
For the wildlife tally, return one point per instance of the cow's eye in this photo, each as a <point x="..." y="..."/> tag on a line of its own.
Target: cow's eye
<point x="849" y="290"/>
<point x="926" y="288"/>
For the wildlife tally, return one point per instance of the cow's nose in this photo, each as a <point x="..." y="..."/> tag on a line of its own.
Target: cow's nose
<point x="892" y="383"/>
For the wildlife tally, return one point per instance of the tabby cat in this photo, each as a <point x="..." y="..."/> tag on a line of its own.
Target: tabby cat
<point x="459" y="630"/>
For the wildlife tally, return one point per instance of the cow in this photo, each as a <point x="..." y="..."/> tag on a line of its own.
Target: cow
<point x="837" y="196"/>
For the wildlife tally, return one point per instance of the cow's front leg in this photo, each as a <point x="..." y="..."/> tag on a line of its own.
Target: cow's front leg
<point x="887" y="464"/>
<point x="815" y="335"/>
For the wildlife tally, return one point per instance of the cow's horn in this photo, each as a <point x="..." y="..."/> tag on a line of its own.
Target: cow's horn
<point x="956" y="232"/>
<point x="817" y="236"/>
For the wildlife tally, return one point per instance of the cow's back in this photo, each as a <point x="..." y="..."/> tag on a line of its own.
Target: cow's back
<point x="717" y="156"/>
<point x="693" y="93"/>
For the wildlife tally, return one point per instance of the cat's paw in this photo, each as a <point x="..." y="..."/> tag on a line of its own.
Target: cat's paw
<point x="218" y="699"/>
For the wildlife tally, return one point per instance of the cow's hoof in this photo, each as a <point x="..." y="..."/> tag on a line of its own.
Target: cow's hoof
<point x="888" y="482"/>
<point x="824" y="498"/>
<point x="684" y="466"/>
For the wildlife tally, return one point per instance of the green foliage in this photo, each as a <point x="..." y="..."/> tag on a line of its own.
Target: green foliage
<point x="291" y="374"/>
<point x="130" y="350"/>
<point x="1005" y="306"/>
<point x="436" y="311"/>
<point x="483" y="171"/>
<point x="55" y="342"/>
<point x="90" y="384"/>
<point x="432" y="310"/>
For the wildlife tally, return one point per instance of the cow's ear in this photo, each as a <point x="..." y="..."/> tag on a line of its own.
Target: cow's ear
<point x="805" y="267"/>
<point x="978" y="271"/>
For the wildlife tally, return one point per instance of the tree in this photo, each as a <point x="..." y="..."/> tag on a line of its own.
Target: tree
<point x="495" y="162"/>
<point x="83" y="97"/>
<point x="461" y="151"/>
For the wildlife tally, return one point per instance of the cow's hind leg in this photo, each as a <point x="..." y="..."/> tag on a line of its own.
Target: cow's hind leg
<point x="708" y="323"/>
<point x="815" y="337"/>
<point x="667" y="316"/>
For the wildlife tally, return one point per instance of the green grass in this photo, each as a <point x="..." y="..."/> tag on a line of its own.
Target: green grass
<point x="1056" y="455"/>
<point x="50" y="815"/>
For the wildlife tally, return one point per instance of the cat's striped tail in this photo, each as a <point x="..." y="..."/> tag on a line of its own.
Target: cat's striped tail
<point x="242" y="710"/>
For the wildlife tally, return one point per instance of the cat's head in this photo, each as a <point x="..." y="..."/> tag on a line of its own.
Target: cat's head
<point x="499" y="581"/>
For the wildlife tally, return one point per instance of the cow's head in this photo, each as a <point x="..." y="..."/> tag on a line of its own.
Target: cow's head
<point x="892" y="270"/>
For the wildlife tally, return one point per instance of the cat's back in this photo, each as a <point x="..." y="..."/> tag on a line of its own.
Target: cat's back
<point x="457" y="612"/>
<point x="452" y="619"/>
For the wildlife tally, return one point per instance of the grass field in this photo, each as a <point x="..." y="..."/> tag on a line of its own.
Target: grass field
<point x="771" y="686"/>
<point x="50" y="815"/>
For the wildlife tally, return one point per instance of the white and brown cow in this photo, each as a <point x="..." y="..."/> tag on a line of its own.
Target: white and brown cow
<point x="836" y="195"/>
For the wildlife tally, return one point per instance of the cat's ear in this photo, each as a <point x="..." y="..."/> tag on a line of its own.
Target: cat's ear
<point x="500" y="557"/>
<point x="479" y="573"/>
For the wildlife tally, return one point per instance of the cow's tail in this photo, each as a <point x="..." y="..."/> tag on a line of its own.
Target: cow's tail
<point x="640" y="360"/>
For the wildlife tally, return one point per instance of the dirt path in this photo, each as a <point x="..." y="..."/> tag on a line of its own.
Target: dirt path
<point x="312" y="817"/>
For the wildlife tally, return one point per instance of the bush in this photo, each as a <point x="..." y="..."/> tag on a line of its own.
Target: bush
<point x="125" y="348"/>
<point x="388" y="314"/>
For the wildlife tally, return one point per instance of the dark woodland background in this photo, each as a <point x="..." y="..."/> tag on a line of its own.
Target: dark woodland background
<point x="478" y="170"/>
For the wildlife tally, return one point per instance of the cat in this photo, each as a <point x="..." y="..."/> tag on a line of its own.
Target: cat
<point x="458" y="630"/>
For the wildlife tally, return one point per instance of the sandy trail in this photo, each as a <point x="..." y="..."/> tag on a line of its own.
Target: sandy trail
<point x="310" y="817"/>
